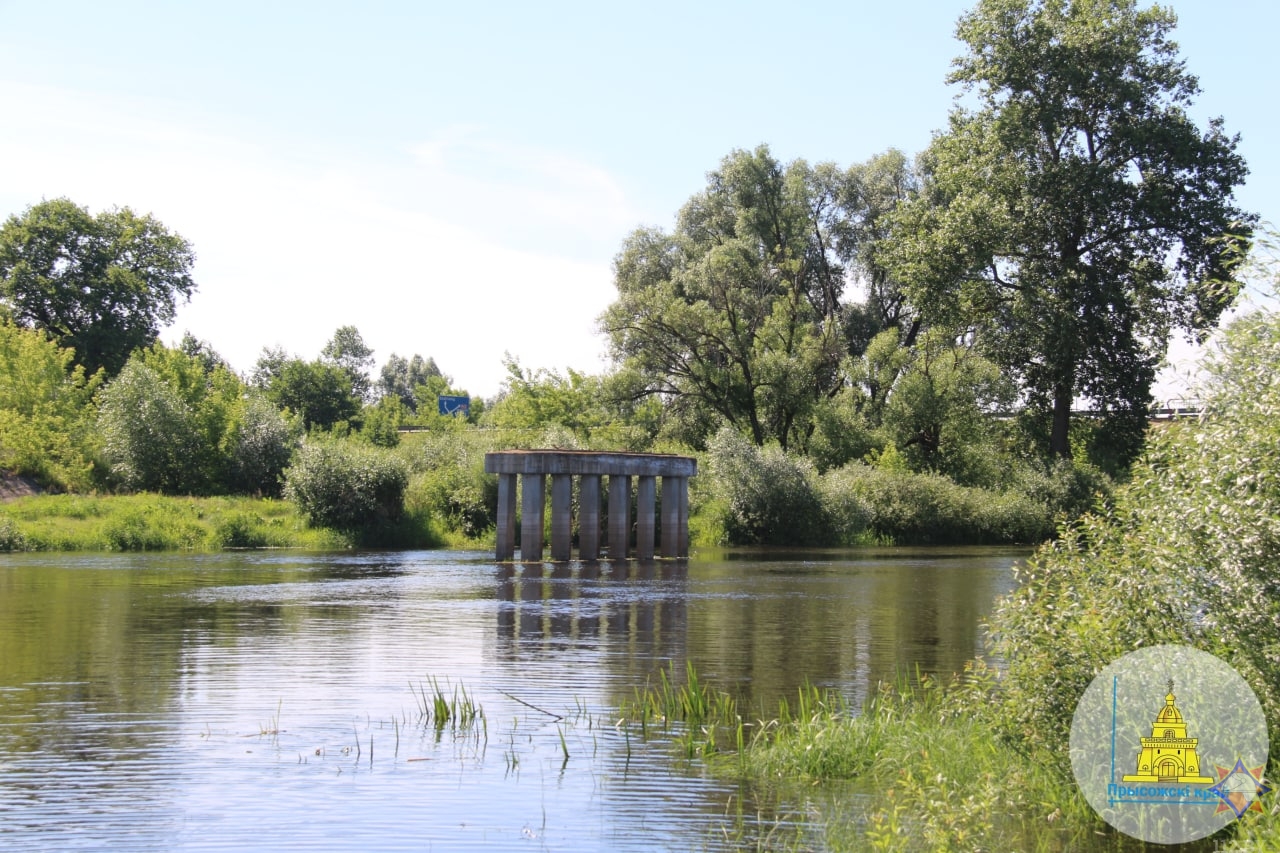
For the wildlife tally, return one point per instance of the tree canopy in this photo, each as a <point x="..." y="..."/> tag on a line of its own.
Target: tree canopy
<point x="102" y="285"/>
<point x="736" y="312"/>
<point x="1077" y="215"/>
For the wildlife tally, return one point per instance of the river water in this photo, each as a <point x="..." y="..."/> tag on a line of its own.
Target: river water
<point x="272" y="700"/>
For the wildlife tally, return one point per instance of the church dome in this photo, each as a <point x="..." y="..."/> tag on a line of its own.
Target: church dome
<point x="1169" y="713"/>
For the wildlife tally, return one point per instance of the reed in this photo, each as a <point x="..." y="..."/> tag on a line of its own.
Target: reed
<point x="458" y="712"/>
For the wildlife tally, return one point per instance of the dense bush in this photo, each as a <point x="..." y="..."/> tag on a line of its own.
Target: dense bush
<point x="772" y="497"/>
<point x="905" y="507"/>
<point x="1187" y="554"/>
<point x="46" y="413"/>
<point x="449" y="483"/>
<point x="345" y="485"/>
<point x="151" y="438"/>
<point x="262" y="443"/>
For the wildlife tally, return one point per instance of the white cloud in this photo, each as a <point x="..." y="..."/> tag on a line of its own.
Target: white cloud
<point x="467" y="248"/>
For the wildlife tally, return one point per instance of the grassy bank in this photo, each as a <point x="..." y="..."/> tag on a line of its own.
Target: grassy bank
<point x="920" y="767"/>
<point x="149" y="522"/>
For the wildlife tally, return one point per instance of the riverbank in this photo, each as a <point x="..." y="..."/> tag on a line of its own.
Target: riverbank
<point x="149" y="522"/>
<point x="921" y="766"/>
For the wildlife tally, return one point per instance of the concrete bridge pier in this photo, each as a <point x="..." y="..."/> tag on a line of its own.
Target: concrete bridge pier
<point x="619" y="516"/>
<point x="530" y="469"/>
<point x="589" y="517"/>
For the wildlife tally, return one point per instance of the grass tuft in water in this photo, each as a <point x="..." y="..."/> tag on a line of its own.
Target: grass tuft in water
<point x="458" y="712"/>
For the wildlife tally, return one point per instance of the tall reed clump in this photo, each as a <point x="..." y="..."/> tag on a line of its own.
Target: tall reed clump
<point x="700" y="711"/>
<point x="459" y="712"/>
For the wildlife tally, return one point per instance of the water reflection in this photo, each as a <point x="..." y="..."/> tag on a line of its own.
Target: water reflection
<point x="234" y="701"/>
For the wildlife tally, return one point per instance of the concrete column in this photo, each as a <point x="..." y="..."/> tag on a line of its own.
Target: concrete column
<point x="670" y="518"/>
<point x="533" y="496"/>
<point x="682" y="529"/>
<point x="646" y="491"/>
<point x="589" y="517"/>
<point x="506" y="549"/>
<point x="619" y="515"/>
<point x="561" y="522"/>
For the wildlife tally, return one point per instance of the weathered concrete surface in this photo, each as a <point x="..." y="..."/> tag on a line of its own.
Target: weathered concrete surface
<point x="589" y="462"/>
<point x="530" y="469"/>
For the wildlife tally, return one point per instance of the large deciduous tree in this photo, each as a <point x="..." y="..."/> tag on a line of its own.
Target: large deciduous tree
<point x="103" y="285"/>
<point x="401" y="377"/>
<point x="736" y="312"/>
<point x="1075" y="215"/>
<point x="347" y="350"/>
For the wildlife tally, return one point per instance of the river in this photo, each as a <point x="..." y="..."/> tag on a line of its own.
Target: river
<point x="272" y="700"/>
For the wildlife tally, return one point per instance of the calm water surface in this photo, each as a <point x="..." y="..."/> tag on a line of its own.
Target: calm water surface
<point x="268" y="700"/>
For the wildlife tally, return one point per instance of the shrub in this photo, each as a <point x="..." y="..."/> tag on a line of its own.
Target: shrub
<point x="912" y="508"/>
<point x="262" y="443"/>
<point x="11" y="538"/>
<point x="772" y="497"/>
<point x="450" y="484"/>
<point x="1187" y="554"/>
<point x="346" y="486"/>
<point x="150" y="438"/>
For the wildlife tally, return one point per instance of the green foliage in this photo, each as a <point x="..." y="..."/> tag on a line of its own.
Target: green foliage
<point x="734" y="313"/>
<point x="382" y="421"/>
<point x="102" y="285"/>
<point x="46" y="411"/>
<point x="449" y="484"/>
<point x="345" y="485"/>
<point x="766" y="496"/>
<point x="183" y="423"/>
<point x="1077" y="215"/>
<point x="261" y="442"/>
<point x="939" y="409"/>
<point x="401" y="377"/>
<point x="772" y="497"/>
<point x="154" y="522"/>
<point x="910" y="508"/>
<point x="12" y="538"/>
<point x="151" y="440"/>
<point x="318" y="393"/>
<point x="347" y="351"/>
<point x="1187" y="554"/>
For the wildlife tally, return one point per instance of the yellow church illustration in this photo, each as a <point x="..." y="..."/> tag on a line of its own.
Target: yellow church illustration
<point x="1168" y="755"/>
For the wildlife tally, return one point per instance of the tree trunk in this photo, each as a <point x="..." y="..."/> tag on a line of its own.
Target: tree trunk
<point x="1060" y="436"/>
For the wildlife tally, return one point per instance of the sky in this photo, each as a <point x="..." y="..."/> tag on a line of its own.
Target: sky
<point x="455" y="179"/>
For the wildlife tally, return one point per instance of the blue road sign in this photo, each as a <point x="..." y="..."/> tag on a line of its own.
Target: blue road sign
<point x="454" y="405"/>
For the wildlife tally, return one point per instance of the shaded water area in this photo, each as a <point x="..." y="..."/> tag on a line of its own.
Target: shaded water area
<point x="271" y="700"/>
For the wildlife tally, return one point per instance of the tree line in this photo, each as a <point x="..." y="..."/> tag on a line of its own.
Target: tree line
<point x="942" y="314"/>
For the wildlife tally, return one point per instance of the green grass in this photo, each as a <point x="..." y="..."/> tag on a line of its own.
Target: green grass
<point x="928" y="770"/>
<point x="148" y="522"/>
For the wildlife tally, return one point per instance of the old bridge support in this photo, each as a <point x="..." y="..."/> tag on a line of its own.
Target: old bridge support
<point x="530" y="469"/>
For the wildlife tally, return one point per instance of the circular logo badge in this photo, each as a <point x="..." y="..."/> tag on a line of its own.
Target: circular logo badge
<point x="1168" y="744"/>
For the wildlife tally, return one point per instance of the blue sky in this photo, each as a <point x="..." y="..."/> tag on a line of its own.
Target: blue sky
<point x="454" y="180"/>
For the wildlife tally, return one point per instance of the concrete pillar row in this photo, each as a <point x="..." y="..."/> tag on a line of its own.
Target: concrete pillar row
<point x="532" y="467"/>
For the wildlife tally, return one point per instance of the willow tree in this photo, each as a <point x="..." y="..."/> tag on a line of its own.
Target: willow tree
<point x="1075" y="215"/>
<point x="735" y="313"/>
